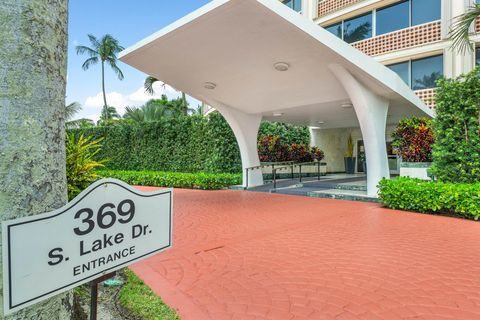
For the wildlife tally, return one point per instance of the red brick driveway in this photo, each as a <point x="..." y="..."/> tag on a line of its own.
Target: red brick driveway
<point x="245" y="255"/>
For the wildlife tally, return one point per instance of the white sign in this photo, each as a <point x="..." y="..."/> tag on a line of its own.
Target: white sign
<point x="106" y="227"/>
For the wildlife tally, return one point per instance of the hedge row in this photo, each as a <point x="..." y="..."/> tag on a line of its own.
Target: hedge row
<point x="183" y="144"/>
<point x="432" y="197"/>
<point x="204" y="181"/>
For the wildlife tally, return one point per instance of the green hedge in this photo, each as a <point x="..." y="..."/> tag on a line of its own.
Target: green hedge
<point x="456" y="152"/>
<point x="204" y="181"/>
<point x="432" y="197"/>
<point x="183" y="144"/>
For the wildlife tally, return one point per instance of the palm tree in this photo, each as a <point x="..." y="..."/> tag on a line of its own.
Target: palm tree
<point x="148" y="85"/>
<point x="70" y="111"/>
<point x="108" y="116"/>
<point x="460" y="33"/>
<point x="153" y="110"/>
<point x="85" y="123"/>
<point x="32" y="156"/>
<point x="104" y="50"/>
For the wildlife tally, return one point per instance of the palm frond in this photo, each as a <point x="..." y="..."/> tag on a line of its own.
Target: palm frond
<point x="148" y="84"/>
<point x="94" y="41"/>
<point x="115" y="68"/>
<point x="86" y="50"/>
<point x="71" y="110"/>
<point x="460" y="33"/>
<point x="89" y="62"/>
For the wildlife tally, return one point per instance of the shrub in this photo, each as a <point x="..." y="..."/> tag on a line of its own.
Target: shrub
<point x="317" y="154"/>
<point x="271" y="149"/>
<point x="431" y="197"/>
<point x="80" y="163"/>
<point x="413" y="139"/>
<point x="183" y="144"/>
<point x="204" y="181"/>
<point x="456" y="153"/>
<point x="300" y="153"/>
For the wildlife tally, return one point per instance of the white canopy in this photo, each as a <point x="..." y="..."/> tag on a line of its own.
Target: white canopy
<point x="232" y="46"/>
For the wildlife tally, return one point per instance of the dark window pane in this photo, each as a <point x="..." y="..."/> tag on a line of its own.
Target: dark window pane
<point x="393" y="18"/>
<point x="288" y="3"/>
<point x="402" y="69"/>
<point x="426" y="71"/>
<point x="424" y="11"/>
<point x="477" y="56"/>
<point x="358" y="28"/>
<point x="297" y="5"/>
<point x="336" y="29"/>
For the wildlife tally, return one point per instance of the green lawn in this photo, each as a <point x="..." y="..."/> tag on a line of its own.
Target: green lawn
<point x="142" y="301"/>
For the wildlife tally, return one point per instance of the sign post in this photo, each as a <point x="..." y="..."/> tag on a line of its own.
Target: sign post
<point x="107" y="227"/>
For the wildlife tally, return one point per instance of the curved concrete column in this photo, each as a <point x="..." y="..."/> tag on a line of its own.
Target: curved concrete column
<point x="245" y="127"/>
<point x="371" y="111"/>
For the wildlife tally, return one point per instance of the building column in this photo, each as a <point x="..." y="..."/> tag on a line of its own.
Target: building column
<point x="371" y="111"/>
<point x="245" y="127"/>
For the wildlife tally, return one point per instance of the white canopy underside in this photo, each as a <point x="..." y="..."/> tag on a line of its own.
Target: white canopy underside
<point x="235" y="44"/>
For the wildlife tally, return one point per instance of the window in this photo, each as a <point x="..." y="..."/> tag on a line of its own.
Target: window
<point x="424" y="11"/>
<point x="425" y="72"/>
<point x="477" y="56"/>
<point x="401" y="15"/>
<point x="403" y="70"/>
<point x="293" y="4"/>
<point x="393" y="18"/>
<point x="421" y="73"/>
<point x="358" y="28"/>
<point x="336" y="29"/>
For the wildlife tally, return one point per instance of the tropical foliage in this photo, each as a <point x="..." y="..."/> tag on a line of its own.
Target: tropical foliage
<point x="413" y="139"/>
<point x="272" y="149"/>
<point x="156" y="110"/>
<point x="456" y="153"/>
<point x="109" y="116"/>
<point x="460" y="33"/>
<point x="80" y="162"/>
<point x="180" y="104"/>
<point x="431" y="197"/>
<point x="105" y="51"/>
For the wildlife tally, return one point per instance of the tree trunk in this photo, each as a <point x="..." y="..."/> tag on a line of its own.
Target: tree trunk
<point x="33" y="55"/>
<point x="185" y="104"/>
<point x="105" y="106"/>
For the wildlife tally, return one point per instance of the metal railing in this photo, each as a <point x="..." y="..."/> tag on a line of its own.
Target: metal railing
<point x="265" y="165"/>
<point x="279" y="166"/>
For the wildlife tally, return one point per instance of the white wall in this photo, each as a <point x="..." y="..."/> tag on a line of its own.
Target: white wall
<point x="334" y="143"/>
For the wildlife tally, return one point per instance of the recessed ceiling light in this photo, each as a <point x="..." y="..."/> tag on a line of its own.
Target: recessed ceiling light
<point x="278" y="114"/>
<point x="346" y="105"/>
<point x="210" y="85"/>
<point x="281" y="66"/>
<point x="321" y="122"/>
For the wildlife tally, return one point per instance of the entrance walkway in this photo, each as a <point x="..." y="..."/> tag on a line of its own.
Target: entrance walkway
<point x="331" y="186"/>
<point x="247" y="255"/>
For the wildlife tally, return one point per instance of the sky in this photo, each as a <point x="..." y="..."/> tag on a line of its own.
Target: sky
<point x="129" y="21"/>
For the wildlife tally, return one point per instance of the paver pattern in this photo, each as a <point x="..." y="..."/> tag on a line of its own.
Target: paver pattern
<point x="245" y="255"/>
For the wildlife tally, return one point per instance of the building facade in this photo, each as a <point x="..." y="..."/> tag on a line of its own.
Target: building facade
<point x="411" y="37"/>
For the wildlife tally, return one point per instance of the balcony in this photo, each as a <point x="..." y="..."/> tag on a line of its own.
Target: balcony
<point x="328" y="6"/>
<point x="402" y="39"/>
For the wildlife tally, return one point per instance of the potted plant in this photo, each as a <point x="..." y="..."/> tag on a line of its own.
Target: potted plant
<point x="349" y="158"/>
<point x="412" y="142"/>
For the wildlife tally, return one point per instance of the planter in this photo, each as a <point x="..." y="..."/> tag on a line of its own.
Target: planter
<point x="417" y="170"/>
<point x="350" y="165"/>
